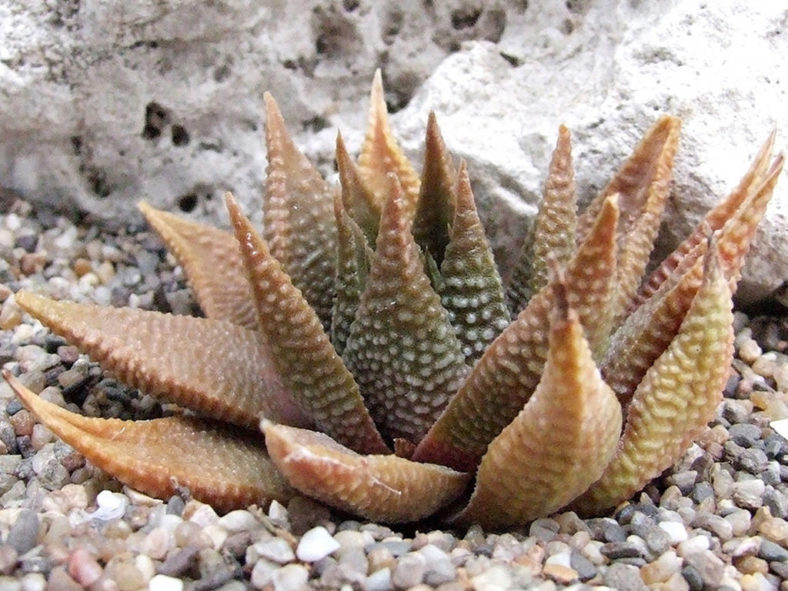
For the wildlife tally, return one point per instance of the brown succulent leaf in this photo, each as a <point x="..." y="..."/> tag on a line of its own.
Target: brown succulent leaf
<point x="212" y="263"/>
<point x="648" y="330"/>
<point x="354" y="257"/>
<point x="553" y="233"/>
<point x="402" y="348"/>
<point x="504" y="378"/>
<point x="643" y="185"/>
<point x="383" y="488"/>
<point x="224" y="466"/>
<point x="435" y="209"/>
<point x="381" y="156"/>
<point x="298" y="212"/>
<point x="754" y="180"/>
<point x="302" y="353"/>
<point x="677" y="397"/>
<point x="646" y="172"/>
<point x="471" y="288"/>
<point x="558" y="444"/>
<point x="217" y="368"/>
<point x="359" y="202"/>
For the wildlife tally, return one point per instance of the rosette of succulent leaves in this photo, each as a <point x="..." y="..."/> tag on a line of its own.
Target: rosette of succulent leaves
<point x="365" y="352"/>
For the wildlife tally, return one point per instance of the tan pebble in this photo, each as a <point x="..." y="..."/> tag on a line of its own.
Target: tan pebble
<point x="216" y="534"/>
<point x="10" y="315"/>
<point x="23" y="423"/>
<point x="755" y="582"/>
<point x="752" y="564"/>
<point x="128" y="577"/>
<point x="776" y="529"/>
<point x="749" y="350"/>
<point x="157" y="543"/>
<point x="559" y="573"/>
<point x="200" y="513"/>
<point x="105" y="272"/>
<point x="145" y="566"/>
<point x="83" y="567"/>
<point x="60" y="580"/>
<point x="82" y="266"/>
<point x="33" y="262"/>
<point x="661" y="569"/>
<point x="5" y="292"/>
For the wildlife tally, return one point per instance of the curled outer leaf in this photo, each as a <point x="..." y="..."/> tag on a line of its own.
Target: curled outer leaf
<point x="383" y="488"/>
<point x="217" y="368"/>
<point x="218" y="464"/>
<point x="559" y="443"/>
<point x="212" y="263"/>
<point x="677" y="396"/>
<point x="310" y="366"/>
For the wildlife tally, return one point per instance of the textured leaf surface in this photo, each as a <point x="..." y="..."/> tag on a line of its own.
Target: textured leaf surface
<point x="217" y="368"/>
<point x="226" y="467"/>
<point x="471" y="288"/>
<point x="381" y="155"/>
<point x="504" y="378"/>
<point x="304" y="357"/>
<point x="554" y="229"/>
<point x="382" y="488"/>
<point x="353" y="261"/>
<point x="559" y="443"/>
<point x="212" y="263"/>
<point x="402" y="348"/>
<point x="435" y="209"/>
<point x="359" y="202"/>
<point x="298" y="210"/>
<point x="676" y="398"/>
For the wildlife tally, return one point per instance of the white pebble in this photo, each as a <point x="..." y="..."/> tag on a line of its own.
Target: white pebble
<point x="380" y="580"/>
<point x="693" y="545"/>
<point x="315" y="544"/>
<point x="217" y="535"/>
<point x="275" y="549"/>
<point x="676" y="531"/>
<point x="237" y="521"/>
<point x="165" y="583"/>
<point x="262" y="572"/>
<point x="33" y="582"/>
<point x="110" y="506"/>
<point x="292" y="577"/>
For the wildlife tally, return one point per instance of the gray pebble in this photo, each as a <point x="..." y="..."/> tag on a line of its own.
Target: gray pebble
<point x="708" y="566"/>
<point x="701" y="491"/>
<point x="714" y="524"/>
<point x="409" y="571"/>
<point x="753" y="460"/>
<point x="607" y="530"/>
<point x="657" y="540"/>
<point x="745" y="434"/>
<point x="683" y="480"/>
<point x="584" y="567"/>
<point x="776" y="502"/>
<point x="748" y="494"/>
<point x="693" y="578"/>
<point x="544" y="529"/>
<point x="616" y="550"/>
<point x="24" y="533"/>
<point x="624" y="577"/>
<point x="772" y="551"/>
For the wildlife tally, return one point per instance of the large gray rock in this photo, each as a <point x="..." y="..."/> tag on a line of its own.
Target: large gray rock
<point x="104" y="103"/>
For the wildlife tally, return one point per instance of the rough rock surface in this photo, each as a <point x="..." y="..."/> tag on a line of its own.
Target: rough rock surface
<point x="103" y="103"/>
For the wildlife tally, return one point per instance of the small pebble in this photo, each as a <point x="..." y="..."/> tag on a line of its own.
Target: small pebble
<point x="315" y="544"/>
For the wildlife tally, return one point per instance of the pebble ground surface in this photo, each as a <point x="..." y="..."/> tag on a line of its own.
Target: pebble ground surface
<point x="716" y="520"/>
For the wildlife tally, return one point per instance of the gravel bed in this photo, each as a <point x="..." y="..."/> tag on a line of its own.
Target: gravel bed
<point x="716" y="520"/>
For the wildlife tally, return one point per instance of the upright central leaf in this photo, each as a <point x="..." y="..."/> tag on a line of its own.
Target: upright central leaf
<point x="402" y="348"/>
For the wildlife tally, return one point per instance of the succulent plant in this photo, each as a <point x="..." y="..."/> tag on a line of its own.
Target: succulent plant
<point x="372" y="318"/>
